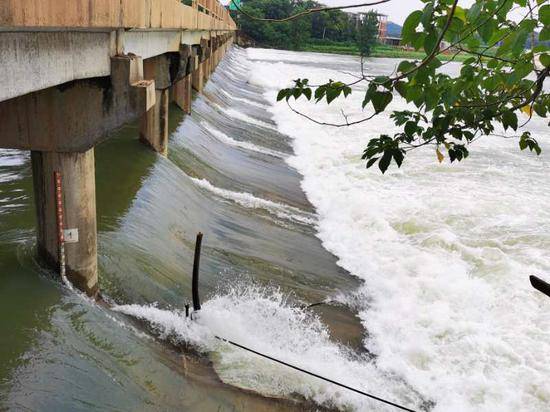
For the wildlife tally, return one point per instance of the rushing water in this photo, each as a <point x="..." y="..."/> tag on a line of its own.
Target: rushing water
<point x="426" y="268"/>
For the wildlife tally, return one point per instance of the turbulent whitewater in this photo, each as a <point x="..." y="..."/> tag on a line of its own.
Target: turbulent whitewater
<point x="445" y="251"/>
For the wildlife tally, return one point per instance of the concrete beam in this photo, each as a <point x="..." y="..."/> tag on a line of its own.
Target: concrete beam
<point x="79" y="204"/>
<point x="149" y="44"/>
<point x="194" y="37"/>
<point x="77" y="115"/>
<point x="35" y="61"/>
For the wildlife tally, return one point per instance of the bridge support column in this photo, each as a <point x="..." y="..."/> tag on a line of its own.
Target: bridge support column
<point x="182" y="94"/>
<point x="214" y="57"/>
<point x="206" y="52"/>
<point x="153" y="127"/>
<point x="197" y="75"/>
<point x="79" y="206"/>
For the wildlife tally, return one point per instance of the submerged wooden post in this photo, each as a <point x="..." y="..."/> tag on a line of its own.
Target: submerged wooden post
<point x="195" y="282"/>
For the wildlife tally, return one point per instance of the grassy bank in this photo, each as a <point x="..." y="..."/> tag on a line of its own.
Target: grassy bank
<point x="378" y="51"/>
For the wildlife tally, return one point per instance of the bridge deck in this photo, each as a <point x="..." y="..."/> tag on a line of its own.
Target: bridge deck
<point x="114" y="14"/>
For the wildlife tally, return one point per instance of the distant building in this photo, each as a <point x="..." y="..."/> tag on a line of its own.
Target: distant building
<point x="382" y="26"/>
<point x="383" y="36"/>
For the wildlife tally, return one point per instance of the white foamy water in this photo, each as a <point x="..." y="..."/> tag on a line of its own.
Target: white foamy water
<point x="243" y="100"/>
<point x="445" y="250"/>
<point x="238" y="115"/>
<point x="252" y="202"/>
<point x="237" y="143"/>
<point x="264" y="320"/>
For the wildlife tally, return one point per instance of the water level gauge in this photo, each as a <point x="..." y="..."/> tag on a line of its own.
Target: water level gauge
<point x="71" y="235"/>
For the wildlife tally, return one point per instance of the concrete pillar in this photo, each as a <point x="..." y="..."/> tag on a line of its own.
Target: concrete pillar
<point x="182" y="94"/>
<point x="153" y="126"/>
<point x="208" y="68"/>
<point x="205" y="58"/>
<point x="79" y="204"/>
<point x="198" y="77"/>
<point x="215" y="54"/>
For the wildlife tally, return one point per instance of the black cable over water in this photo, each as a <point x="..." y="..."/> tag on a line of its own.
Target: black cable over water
<point x="368" y="395"/>
<point x="196" y="307"/>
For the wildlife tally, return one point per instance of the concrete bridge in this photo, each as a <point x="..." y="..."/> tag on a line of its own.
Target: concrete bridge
<point x="74" y="71"/>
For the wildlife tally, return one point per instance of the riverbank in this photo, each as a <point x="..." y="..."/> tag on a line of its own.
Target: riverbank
<point x="378" y="51"/>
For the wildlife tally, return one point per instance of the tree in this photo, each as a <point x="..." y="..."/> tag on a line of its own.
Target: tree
<point x="329" y="25"/>
<point x="500" y="83"/>
<point x="367" y="33"/>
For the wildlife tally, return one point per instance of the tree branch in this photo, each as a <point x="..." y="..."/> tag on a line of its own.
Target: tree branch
<point x="307" y="12"/>
<point x="331" y="124"/>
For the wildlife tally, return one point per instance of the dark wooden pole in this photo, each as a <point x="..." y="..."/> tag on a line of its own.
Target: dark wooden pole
<point x="540" y="285"/>
<point x="196" y="264"/>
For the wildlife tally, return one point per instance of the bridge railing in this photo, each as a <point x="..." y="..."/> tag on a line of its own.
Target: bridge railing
<point x="115" y="14"/>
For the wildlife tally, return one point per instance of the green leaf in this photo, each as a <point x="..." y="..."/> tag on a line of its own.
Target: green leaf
<point x="381" y="100"/>
<point x="405" y="66"/>
<point x="401" y="88"/>
<point x="493" y="64"/>
<point x="347" y="91"/>
<point x="509" y="119"/>
<point x="385" y="161"/>
<point x="544" y="15"/>
<point x="545" y="34"/>
<point x="432" y="98"/>
<point x="332" y="93"/>
<point x="474" y="11"/>
<point x="410" y="128"/>
<point x="427" y="14"/>
<point x="526" y="141"/>
<point x="487" y="29"/>
<point x="410" y="25"/>
<point x="371" y="161"/>
<point x="320" y="93"/>
<point x="282" y="94"/>
<point x="398" y="156"/>
<point x="460" y="13"/>
<point x="418" y="40"/>
<point x="430" y="42"/>
<point x="540" y="109"/>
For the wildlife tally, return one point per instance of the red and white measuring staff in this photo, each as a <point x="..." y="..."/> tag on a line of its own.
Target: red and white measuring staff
<point x="59" y="213"/>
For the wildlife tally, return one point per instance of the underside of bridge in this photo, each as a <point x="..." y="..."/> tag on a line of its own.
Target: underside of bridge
<point x="74" y="71"/>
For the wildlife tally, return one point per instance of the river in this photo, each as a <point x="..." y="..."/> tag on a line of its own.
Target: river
<point x="425" y="269"/>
